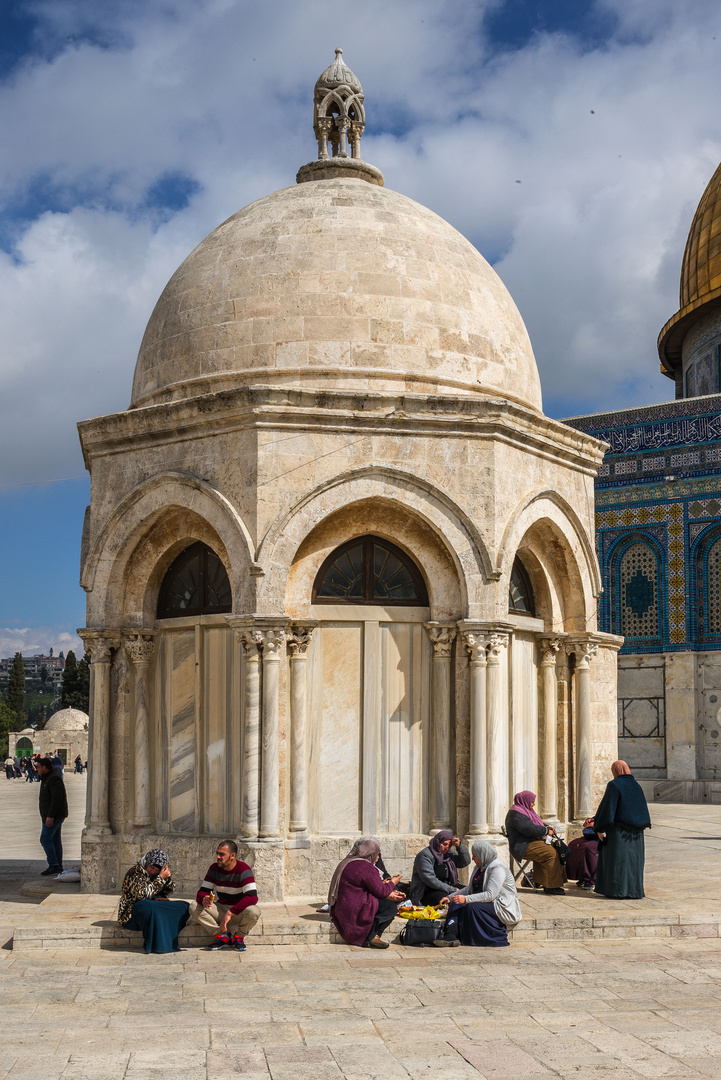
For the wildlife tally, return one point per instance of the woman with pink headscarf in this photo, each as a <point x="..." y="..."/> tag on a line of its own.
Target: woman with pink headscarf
<point x="527" y="834"/>
<point x="620" y="821"/>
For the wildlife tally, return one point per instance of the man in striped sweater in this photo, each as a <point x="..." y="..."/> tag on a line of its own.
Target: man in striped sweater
<point x="235" y="912"/>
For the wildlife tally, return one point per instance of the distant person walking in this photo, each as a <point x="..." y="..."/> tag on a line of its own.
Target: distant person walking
<point x="53" y="804"/>
<point x="78" y="764"/>
<point x="9" y="763"/>
<point x="57" y="763"/>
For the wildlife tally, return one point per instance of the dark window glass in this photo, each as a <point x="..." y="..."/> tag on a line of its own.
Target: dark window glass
<point x="520" y="593"/>
<point x="195" y="584"/>
<point x="368" y="570"/>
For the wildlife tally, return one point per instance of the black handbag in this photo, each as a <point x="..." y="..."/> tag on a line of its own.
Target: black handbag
<point x="562" y="849"/>
<point x="421" y="931"/>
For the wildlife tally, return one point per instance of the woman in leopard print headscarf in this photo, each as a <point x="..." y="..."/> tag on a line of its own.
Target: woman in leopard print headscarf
<point x="150" y="880"/>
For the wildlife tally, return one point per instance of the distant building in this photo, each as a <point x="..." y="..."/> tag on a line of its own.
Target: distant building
<point x="66" y="731"/>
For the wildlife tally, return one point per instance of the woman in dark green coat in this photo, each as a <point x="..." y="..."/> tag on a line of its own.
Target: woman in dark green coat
<point x="620" y="822"/>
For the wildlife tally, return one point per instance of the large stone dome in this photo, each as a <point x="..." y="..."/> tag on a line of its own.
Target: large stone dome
<point x="67" y="720"/>
<point x="336" y="284"/>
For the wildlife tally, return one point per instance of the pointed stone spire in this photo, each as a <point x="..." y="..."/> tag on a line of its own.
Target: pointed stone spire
<point x="339" y="121"/>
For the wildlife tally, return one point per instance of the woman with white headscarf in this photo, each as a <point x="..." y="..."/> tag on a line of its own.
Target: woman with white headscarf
<point x="146" y="883"/>
<point x="482" y="912"/>
<point x="361" y="904"/>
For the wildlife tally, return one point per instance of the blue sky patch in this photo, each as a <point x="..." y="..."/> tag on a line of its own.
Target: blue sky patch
<point x="512" y="24"/>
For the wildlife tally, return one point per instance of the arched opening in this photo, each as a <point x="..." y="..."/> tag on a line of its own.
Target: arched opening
<point x="369" y="570"/>
<point x="521" y="600"/>
<point x="23" y="747"/>
<point x="196" y="583"/>
<point x="635" y="599"/>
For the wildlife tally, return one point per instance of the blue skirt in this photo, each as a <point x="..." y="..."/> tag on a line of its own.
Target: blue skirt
<point x="160" y="922"/>
<point x="478" y="924"/>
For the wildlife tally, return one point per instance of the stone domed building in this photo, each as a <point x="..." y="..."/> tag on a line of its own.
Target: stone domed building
<point x="339" y="566"/>
<point x="66" y="731"/>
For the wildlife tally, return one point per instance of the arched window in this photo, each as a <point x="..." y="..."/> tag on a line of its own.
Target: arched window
<point x="24" y="747"/>
<point x="196" y="583"/>
<point x="636" y="606"/>
<point x="368" y="570"/>
<point x="520" y="591"/>
<point x="708" y="585"/>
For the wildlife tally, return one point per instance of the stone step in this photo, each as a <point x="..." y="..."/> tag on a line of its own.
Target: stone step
<point x="66" y="928"/>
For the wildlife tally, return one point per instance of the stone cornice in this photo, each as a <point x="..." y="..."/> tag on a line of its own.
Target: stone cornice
<point x="483" y="418"/>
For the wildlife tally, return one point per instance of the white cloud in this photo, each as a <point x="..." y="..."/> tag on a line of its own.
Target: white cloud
<point x="38" y="640"/>
<point x="589" y="242"/>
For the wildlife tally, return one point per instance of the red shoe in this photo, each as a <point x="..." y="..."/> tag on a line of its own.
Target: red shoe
<point x="238" y="943"/>
<point x="219" y="942"/>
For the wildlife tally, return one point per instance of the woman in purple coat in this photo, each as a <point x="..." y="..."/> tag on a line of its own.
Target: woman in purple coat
<point x="361" y="905"/>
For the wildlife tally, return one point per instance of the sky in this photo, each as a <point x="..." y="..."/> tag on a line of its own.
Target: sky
<point x="569" y="140"/>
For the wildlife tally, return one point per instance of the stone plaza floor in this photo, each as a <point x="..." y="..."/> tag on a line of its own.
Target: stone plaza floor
<point x="573" y="1008"/>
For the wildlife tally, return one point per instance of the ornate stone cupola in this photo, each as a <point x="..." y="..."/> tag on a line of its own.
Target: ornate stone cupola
<point x="338" y="122"/>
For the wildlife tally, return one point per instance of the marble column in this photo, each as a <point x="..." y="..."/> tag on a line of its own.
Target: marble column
<point x="477" y="643"/>
<point x="272" y="644"/>
<point x="549" y="746"/>
<point x="298" y="641"/>
<point x="584" y="651"/>
<point x="442" y="638"/>
<point x="99" y="648"/>
<point x="250" y="640"/>
<point x="140" y="648"/>
<point x="497" y="721"/>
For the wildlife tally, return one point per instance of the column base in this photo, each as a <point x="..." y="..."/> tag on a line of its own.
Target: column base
<point x="298" y="840"/>
<point x="96" y="832"/>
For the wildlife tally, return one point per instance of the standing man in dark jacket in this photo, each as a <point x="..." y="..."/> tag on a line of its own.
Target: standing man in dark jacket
<point x="53" y="803"/>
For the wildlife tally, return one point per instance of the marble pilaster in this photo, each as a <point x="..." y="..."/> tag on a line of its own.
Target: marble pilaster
<point x="442" y="637"/>
<point x="140" y="647"/>
<point x="99" y="647"/>
<point x="250" y="640"/>
<point x="477" y="643"/>
<point x="549" y="746"/>
<point x="298" y="642"/>
<point x="272" y="640"/>
<point x="497" y="727"/>
<point x="584" y="651"/>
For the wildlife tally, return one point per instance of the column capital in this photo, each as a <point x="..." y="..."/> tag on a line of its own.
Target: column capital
<point x="549" y="647"/>
<point x="271" y="641"/>
<point x="139" y="645"/>
<point x="250" y="640"/>
<point x="298" y="637"/>
<point x="584" y="650"/>
<point x="496" y="644"/>
<point x="442" y="636"/>
<point x="99" y="644"/>
<point x="477" y="643"/>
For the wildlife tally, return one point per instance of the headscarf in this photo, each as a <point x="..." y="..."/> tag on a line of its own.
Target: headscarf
<point x="620" y="768"/>
<point x="522" y="803"/>
<point x="353" y="853"/>
<point x="446" y="860"/>
<point x="156" y="857"/>
<point x="487" y="854"/>
<point x="368" y="851"/>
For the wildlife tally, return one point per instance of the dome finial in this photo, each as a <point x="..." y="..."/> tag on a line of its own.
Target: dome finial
<point x="339" y="121"/>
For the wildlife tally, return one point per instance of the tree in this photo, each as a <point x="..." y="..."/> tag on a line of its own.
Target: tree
<point x="8" y="722"/>
<point x="76" y="683"/>
<point x="16" y="686"/>
<point x="43" y="674"/>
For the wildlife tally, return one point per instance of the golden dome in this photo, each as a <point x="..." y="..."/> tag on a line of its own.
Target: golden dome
<point x="700" y="274"/>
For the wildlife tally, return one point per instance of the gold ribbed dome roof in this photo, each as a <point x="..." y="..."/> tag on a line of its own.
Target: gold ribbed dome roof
<point x="701" y="267"/>
<point x="700" y="289"/>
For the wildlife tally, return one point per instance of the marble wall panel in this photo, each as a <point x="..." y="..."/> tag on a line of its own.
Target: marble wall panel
<point x="217" y="669"/>
<point x="405" y="696"/>
<point x="335" y="727"/>
<point x="524" y="713"/>
<point x="181" y="710"/>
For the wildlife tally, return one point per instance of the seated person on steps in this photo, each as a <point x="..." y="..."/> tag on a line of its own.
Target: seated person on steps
<point x="236" y="911"/>
<point x="435" y="869"/>
<point x="526" y="833"/>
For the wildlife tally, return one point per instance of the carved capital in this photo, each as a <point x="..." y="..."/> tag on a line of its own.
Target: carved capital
<point x="496" y="645"/>
<point x="250" y="640"/>
<point x="476" y="644"/>
<point x="298" y="639"/>
<point x="442" y="638"/>
<point x="584" y="652"/>
<point x="99" y="645"/>
<point x="549" y="649"/>
<point x="272" y="642"/>
<point x="139" y="647"/>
